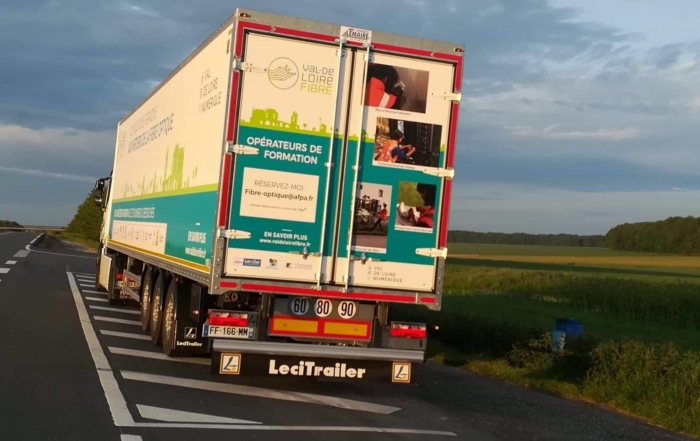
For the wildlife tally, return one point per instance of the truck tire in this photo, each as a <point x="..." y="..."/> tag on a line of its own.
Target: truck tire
<point x="157" y="310"/>
<point x="169" y="319"/>
<point x="146" y="292"/>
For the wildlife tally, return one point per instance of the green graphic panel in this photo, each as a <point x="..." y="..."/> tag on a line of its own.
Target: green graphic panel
<point x="391" y="242"/>
<point x="189" y="218"/>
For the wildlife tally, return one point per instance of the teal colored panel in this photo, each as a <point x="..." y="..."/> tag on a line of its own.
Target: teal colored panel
<point x="190" y="219"/>
<point x="399" y="245"/>
<point x="287" y="152"/>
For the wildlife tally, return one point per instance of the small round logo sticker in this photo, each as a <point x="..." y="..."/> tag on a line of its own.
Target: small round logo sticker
<point x="283" y="73"/>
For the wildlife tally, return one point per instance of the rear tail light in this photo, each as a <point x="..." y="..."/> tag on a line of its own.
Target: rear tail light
<point x="120" y="277"/>
<point x="226" y="318"/>
<point x="408" y="330"/>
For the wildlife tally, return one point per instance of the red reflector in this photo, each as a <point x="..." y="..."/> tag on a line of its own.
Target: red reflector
<point x="225" y="318"/>
<point x="408" y="330"/>
<point x="120" y="276"/>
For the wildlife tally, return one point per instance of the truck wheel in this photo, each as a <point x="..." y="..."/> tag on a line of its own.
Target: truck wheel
<point x="170" y="324"/>
<point x="156" y="311"/>
<point x="146" y="300"/>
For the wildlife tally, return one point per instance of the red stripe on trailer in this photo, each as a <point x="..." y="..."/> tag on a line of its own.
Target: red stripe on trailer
<point x="430" y="300"/>
<point x="226" y="180"/>
<point x="228" y="285"/>
<point x="235" y="80"/>
<point x="330" y="294"/>
<point x="416" y="52"/>
<point x="247" y="25"/>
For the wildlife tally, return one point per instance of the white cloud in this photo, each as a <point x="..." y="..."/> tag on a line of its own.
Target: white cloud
<point x="45" y="174"/>
<point x="13" y="137"/>
<point x="550" y="132"/>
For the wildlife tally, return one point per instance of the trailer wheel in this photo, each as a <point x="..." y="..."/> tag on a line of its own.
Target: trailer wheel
<point x="146" y="300"/>
<point x="156" y="311"/>
<point x="170" y="324"/>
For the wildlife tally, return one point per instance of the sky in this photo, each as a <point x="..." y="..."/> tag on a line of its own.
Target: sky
<point x="577" y="115"/>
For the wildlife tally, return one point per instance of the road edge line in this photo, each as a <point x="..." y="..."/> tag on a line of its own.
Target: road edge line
<point x="115" y="400"/>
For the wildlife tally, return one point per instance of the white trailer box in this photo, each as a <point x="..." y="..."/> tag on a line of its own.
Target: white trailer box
<point x="300" y="171"/>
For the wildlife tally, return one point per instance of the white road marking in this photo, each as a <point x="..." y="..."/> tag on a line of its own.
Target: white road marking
<point x="96" y="299"/>
<point x="82" y="285"/>
<point x="115" y="399"/>
<point x="179" y="416"/>
<point x="29" y="249"/>
<point x="4" y="270"/>
<point x="21" y="253"/>
<point x="87" y="291"/>
<point x="10" y="262"/>
<point x="86" y="280"/>
<point x="252" y="391"/>
<point x="296" y="428"/>
<point x="125" y="334"/>
<point x="123" y="311"/>
<point x="131" y="438"/>
<point x="158" y="356"/>
<point x="113" y="320"/>
<point x="2" y="234"/>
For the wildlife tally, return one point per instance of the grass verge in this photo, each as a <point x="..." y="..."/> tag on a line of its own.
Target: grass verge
<point x="497" y="322"/>
<point x="89" y="244"/>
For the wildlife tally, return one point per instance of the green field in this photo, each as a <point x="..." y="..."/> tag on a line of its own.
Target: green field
<point x="640" y="312"/>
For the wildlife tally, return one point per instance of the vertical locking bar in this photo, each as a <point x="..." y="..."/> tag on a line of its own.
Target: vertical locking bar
<point x="357" y="162"/>
<point x="329" y="164"/>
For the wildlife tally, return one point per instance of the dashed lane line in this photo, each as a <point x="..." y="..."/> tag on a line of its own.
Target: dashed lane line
<point x="96" y="299"/>
<point x="4" y="270"/>
<point x="114" y="320"/>
<point x="88" y="291"/>
<point x="122" y="311"/>
<point x="10" y="262"/>
<point x="21" y="253"/>
<point x="180" y="416"/>
<point x="158" y="356"/>
<point x="239" y="389"/>
<point x="125" y="335"/>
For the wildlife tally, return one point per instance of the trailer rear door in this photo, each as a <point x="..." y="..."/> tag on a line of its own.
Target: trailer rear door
<point x="285" y="174"/>
<point x="393" y="186"/>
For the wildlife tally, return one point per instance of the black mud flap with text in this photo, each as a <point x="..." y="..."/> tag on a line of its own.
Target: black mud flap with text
<point x="313" y="368"/>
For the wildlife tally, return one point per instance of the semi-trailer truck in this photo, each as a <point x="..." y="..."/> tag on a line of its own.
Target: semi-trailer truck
<point x="279" y="192"/>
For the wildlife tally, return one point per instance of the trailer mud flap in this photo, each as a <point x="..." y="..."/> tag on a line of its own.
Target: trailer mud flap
<point x="313" y="368"/>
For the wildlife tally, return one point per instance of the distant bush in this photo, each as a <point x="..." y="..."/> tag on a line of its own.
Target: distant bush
<point x="9" y="224"/>
<point x="569" y="240"/>
<point x="675" y="235"/>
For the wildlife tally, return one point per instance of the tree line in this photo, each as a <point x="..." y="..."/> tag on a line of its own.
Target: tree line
<point x="568" y="240"/>
<point x="675" y="235"/>
<point x="87" y="220"/>
<point x="10" y="224"/>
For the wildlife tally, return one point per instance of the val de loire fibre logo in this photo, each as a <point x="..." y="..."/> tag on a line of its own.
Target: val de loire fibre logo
<point x="283" y="73"/>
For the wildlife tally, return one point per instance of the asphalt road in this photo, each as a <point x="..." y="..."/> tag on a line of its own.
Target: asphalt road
<point x="71" y="370"/>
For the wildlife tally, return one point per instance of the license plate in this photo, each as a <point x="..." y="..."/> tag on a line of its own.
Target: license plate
<point x="228" y="332"/>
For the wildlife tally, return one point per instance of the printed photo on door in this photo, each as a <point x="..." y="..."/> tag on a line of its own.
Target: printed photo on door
<point x="396" y="88"/>
<point x="372" y="214"/>
<point x="415" y="209"/>
<point x="406" y="144"/>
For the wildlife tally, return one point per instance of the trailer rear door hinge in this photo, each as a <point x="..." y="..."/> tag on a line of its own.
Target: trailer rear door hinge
<point x="447" y="173"/>
<point x="234" y="234"/>
<point x="450" y="96"/>
<point x="247" y="67"/>
<point x="432" y="252"/>
<point x="242" y="149"/>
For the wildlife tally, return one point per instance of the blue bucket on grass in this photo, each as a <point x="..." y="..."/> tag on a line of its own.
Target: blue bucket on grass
<point x="563" y="329"/>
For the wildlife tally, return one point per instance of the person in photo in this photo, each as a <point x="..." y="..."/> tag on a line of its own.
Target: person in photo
<point x="423" y="217"/>
<point x="402" y="154"/>
<point x="383" y="214"/>
<point x="385" y="155"/>
<point x="384" y="87"/>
